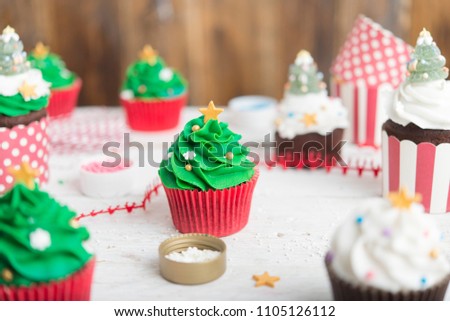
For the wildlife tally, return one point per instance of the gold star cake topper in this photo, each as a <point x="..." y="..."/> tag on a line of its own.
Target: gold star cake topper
<point x="148" y="54"/>
<point x="402" y="201"/>
<point x="27" y="91"/>
<point x="265" y="279"/>
<point x="25" y="175"/>
<point x="211" y="112"/>
<point x="309" y="119"/>
<point x="40" y="51"/>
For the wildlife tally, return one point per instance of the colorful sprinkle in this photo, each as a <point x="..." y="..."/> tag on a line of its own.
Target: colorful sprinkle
<point x="423" y="281"/>
<point x="426" y="233"/>
<point x="290" y="114"/>
<point x="434" y="253"/>
<point x="329" y="257"/>
<point x="387" y="232"/>
<point x="195" y="128"/>
<point x="188" y="167"/>
<point x="7" y="275"/>
<point x="359" y="219"/>
<point x="370" y="275"/>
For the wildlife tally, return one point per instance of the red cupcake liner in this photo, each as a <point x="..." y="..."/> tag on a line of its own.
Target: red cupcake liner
<point x="219" y="213"/>
<point x="63" y="101"/>
<point x="23" y="144"/>
<point x="76" y="287"/>
<point x="153" y="114"/>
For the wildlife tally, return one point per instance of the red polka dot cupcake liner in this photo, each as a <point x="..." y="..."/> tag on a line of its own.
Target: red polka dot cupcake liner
<point x="63" y="101"/>
<point x="23" y="143"/>
<point x="153" y="114"/>
<point x="76" y="287"/>
<point x="219" y="213"/>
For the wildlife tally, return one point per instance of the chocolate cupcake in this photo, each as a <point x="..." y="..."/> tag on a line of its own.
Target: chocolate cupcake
<point x="417" y="135"/>
<point x="388" y="250"/>
<point x="310" y="124"/>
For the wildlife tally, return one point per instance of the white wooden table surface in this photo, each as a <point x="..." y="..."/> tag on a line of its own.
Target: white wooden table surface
<point x="293" y="216"/>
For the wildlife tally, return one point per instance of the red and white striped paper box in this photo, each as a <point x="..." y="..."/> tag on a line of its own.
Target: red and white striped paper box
<point x="23" y="144"/>
<point x="368" y="68"/>
<point x="421" y="168"/>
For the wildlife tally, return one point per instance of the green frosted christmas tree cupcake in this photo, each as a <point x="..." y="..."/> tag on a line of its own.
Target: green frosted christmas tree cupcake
<point x="43" y="249"/>
<point x="208" y="178"/>
<point x="65" y="85"/>
<point x="153" y="94"/>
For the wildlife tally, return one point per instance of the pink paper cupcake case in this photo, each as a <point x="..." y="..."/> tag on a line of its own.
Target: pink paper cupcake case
<point x="23" y="144"/>
<point x="421" y="168"/>
<point x="76" y="287"/>
<point x="63" y="101"/>
<point x="153" y="114"/>
<point x="219" y="213"/>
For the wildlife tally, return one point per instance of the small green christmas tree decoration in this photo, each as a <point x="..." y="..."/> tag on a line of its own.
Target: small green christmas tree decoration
<point x="303" y="75"/>
<point x="427" y="63"/>
<point x="13" y="60"/>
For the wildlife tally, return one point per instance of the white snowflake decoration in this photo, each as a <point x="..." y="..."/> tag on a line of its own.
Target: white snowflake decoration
<point x="189" y="155"/>
<point x="166" y="74"/>
<point x="40" y="239"/>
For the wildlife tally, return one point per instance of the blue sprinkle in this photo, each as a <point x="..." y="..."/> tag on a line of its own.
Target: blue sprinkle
<point x="442" y="236"/>
<point x="291" y="114"/>
<point x="423" y="280"/>
<point x="359" y="219"/>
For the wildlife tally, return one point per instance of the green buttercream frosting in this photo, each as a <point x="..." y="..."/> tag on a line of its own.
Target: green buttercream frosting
<point x="154" y="80"/>
<point x="13" y="106"/>
<point x="427" y="63"/>
<point x="205" y="151"/>
<point x="53" y="70"/>
<point x="37" y="241"/>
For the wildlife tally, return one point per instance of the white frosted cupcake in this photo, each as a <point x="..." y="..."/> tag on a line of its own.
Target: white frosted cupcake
<point x="388" y="250"/>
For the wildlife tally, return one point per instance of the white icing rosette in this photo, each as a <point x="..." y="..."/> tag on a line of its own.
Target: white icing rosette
<point x="325" y="113"/>
<point x="390" y="248"/>
<point x="425" y="104"/>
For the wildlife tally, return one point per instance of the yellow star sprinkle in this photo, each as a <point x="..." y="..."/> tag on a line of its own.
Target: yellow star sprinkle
<point x="8" y="30"/>
<point x="211" y="112"/>
<point x="402" y="201"/>
<point x="40" y="51"/>
<point x="24" y="174"/>
<point x="148" y="54"/>
<point x="309" y="119"/>
<point x="27" y="91"/>
<point x="265" y="279"/>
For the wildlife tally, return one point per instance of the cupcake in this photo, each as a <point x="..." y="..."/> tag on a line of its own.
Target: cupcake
<point x="207" y="177"/>
<point x="416" y="137"/>
<point x="43" y="254"/>
<point x="310" y="124"/>
<point x="153" y="94"/>
<point x="388" y="250"/>
<point x="23" y="116"/>
<point x="65" y="85"/>
<point x="368" y="68"/>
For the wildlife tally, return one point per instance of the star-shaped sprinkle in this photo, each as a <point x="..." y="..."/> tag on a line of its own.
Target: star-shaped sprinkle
<point x="434" y="253"/>
<point x="359" y="220"/>
<point x="40" y="51"/>
<point x="309" y="119"/>
<point x="402" y="201"/>
<point x="8" y="30"/>
<point x="265" y="279"/>
<point x="7" y="275"/>
<point x="189" y="155"/>
<point x="40" y="239"/>
<point x="211" y="112"/>
<point x="9" y="33"/>
<point x="425" y="33"/>
<point x="148" y="54"/>
<point x="24" y="174"/>
<point x="27" y="91"/>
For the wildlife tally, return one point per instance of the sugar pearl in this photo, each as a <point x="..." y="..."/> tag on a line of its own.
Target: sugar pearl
<point x="188" y="167"/>
<point x="142" y="89"/>
<point x="195" y="128"/>
<point x="229" y="155"/>
<point x="7" y="275"/>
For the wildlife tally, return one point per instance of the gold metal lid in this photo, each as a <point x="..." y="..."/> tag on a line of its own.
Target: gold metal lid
<point x="192" y="273"/>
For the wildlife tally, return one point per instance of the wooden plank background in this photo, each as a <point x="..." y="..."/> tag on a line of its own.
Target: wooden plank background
<point x="224" y="47"/>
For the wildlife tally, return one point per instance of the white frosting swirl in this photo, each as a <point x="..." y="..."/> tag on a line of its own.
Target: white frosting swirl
<point x="389" y="249"/>
<point x="426" y="104"/>
<point x="329" y="114"/>
<point x="10" y="84"/>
